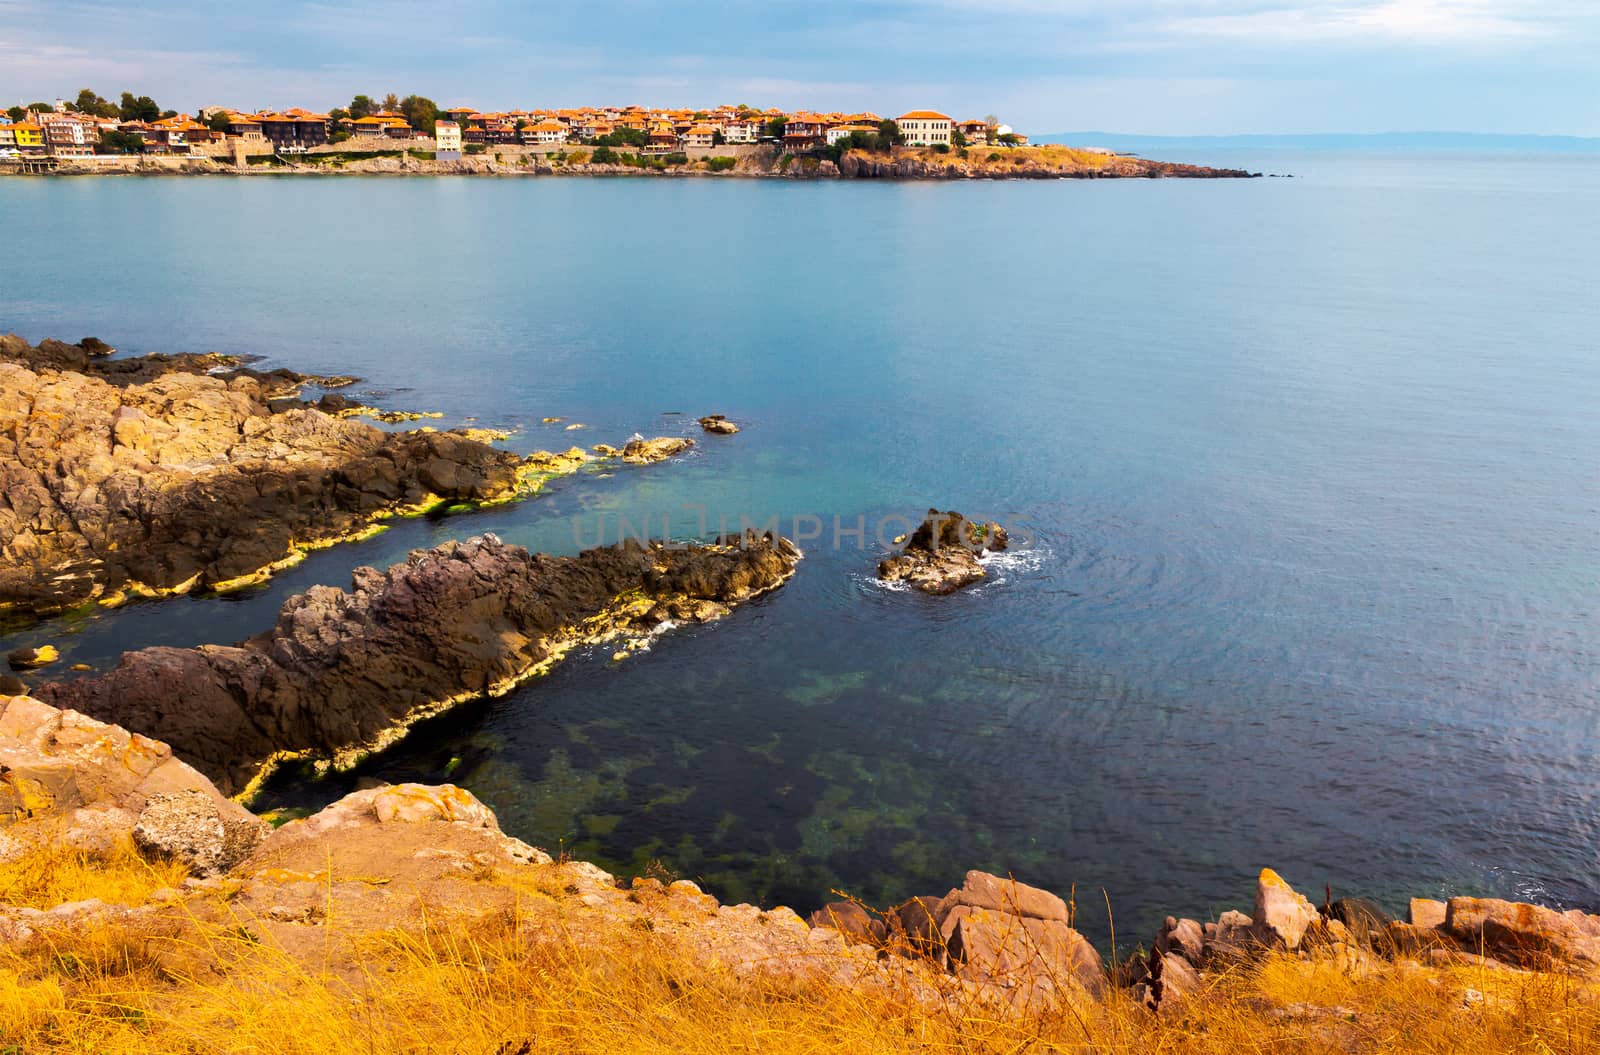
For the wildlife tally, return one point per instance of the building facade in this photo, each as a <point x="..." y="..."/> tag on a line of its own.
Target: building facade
<point x="447" y="141"/>
<point x="925" y="128"/>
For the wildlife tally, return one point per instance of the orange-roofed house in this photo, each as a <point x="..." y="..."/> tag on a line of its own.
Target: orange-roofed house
<point x="29" y="137"/>
<point x="700" y="136"/>
<point x="742" y="129"/>
<point x="977" y="131"/>
<point x="925" y="128"/>
<point x="545" y="133"/>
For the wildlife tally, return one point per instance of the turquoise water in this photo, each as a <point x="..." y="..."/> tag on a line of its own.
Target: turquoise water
<point x="1307" y="469"/>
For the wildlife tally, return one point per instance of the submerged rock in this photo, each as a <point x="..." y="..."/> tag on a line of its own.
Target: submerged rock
<point x="343" y="674"/>
<point x="32" y="658"/>
<point x="941" y="555"/>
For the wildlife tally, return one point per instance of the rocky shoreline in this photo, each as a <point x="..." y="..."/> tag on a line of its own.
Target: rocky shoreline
<point x="344" y="674"/>
<point x="366" y="863"/>
<point x="905" y="164"/>
<point x="158" y="475"/>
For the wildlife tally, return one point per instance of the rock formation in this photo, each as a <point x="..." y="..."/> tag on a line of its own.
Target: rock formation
<point x="68" y="780"/>
<point x="717" y="423"/>
<point x="344" y="673"/>
<point x="941" y="555"/>
<point x="157" y="475"/>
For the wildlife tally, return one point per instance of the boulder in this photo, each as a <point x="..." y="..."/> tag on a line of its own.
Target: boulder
<point x="189" y="826"/>
<point x="1524" y="935"/>
<point x="1426" y="912"/>
<point x="32" y="658"/>
<point x="1281" y="914"/>
<point x="1181" y="937"/>
<point x="853" y="921"/>
<point x="1230" y="938"/>
<point x="1172" y="978"/>
<point x="916" y="926"/>
<point x="645" y="452"/>
<point x="1020" y="952"/>
<point x="983" y="890"/>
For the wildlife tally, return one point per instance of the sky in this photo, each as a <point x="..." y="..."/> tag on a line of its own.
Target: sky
<point x="1156" y="67"/>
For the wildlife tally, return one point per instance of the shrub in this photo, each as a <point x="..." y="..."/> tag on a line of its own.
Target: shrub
<point x="721" y="164"/>
<point x="675" y="159"/>
<point x="604" y="156"/>
<point x="475" y="148"/>
<point x="994" y="156"/>
<point x="941" y="148"/>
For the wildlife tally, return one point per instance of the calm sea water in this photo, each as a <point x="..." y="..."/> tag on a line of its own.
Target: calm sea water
<point x="1310" y="469"/>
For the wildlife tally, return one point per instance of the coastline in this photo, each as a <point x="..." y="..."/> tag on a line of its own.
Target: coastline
<point x="903" y="164"/>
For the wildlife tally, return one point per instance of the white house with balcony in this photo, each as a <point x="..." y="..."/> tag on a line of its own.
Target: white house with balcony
<point x="446" y="141"/>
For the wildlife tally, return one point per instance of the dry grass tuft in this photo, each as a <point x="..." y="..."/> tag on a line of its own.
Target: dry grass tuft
<point x="55" y="875"/>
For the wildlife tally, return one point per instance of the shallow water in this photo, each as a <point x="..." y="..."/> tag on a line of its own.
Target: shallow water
<point x="1307" y="470"/>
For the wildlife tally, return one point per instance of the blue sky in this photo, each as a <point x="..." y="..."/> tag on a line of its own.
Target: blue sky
<point x="1177" y="67"/>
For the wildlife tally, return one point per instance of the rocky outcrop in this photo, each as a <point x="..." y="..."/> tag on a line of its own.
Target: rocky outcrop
<point x="1019" y="165"/>
<point x="941" y="555"/>
<point x="69" y="780"/>
<point x="717" y="423"/>
<point x="343" y="673"/>
<point x="991" y="932"/>
<point x="155" y="476"/>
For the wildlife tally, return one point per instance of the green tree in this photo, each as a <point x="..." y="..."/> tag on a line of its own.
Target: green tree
<point x="1010" y="139"/>
<point x="391" y="102"/>
<point x="889" y="133"/>
<point x="40" y="108"/>
<point x="93" y="105"/>
<point x="958" y="138"/>
<point x="420" y="112"/>
<point x="773" y="129"/>
<point x="219" y="121"/>
<point x="362" y="106"/>
<point x="112" y="142"/>
<point x="338" y="114"/>
<point x="604" y="155"/>
<point x="140" y="108"/>
<point x="717" y="138"/>
<point x="16" y="113"/>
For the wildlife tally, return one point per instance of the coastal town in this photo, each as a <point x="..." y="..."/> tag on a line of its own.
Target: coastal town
<point x="90" y="126"/>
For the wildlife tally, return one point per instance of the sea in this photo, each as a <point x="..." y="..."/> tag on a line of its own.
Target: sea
<point x="1303" y="475"/>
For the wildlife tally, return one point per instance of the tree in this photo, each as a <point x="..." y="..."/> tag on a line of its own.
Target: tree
<point x="141" y="108"/>
<point x="604" y="156"/>
<point x="701" y="115"/>
<point x="889" y="134"/>
<point x="337" y="115"/>
<point x="420" y="112"/>
<point x="1010" y="139"/>
<point x="717" y="138"/>
<point x="16" y="113"/>
<point x="93" y="105"/>
<point x="168" y="113"/>
<point x="391" y="102"/>
<point x="40" y="108"/>
<point x="361" y="106"/>
<point x="219" y="121"/>
<point x="113" y="142"/>
<point x="773" y="129"/>
<point x="958" y="138"/>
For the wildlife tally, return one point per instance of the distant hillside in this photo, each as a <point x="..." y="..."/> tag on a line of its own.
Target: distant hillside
<point x="1331" y="141"/>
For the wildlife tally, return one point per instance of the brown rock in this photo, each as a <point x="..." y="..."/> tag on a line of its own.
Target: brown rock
<point x="1425" y="912"/>
<point x="983" y="890"/>
<point x="1020" y="951"/>
<point x="716" y="423"/>
<point x="850" y="919"/>
<point x="1525" y="935"/>
<point x="1181" y="937"/>
<point x="1281" y="915"/>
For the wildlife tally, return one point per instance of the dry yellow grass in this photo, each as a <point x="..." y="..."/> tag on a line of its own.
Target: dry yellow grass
<point x="55" y="875"/>
<point x="517" y="983"/>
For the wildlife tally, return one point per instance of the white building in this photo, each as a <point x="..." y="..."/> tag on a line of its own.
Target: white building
<point x="545" y="132"/>
<point x="447" y="141"/>
<point x="742" y="130"/>
<point x="925" y="128"/>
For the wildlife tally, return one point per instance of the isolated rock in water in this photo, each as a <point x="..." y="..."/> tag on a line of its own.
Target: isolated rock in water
<point x="343" y="674"/>
<point x="1525" y="935"/>
<point x="67" y="779"/>
<point x="32" y="658"/>
<point x="718" y="424"/>
<point x="189" y="826"/>
<point x="1282" y="915"/>
<point x="941" y="555"/>
<point x="644" y="452"/>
